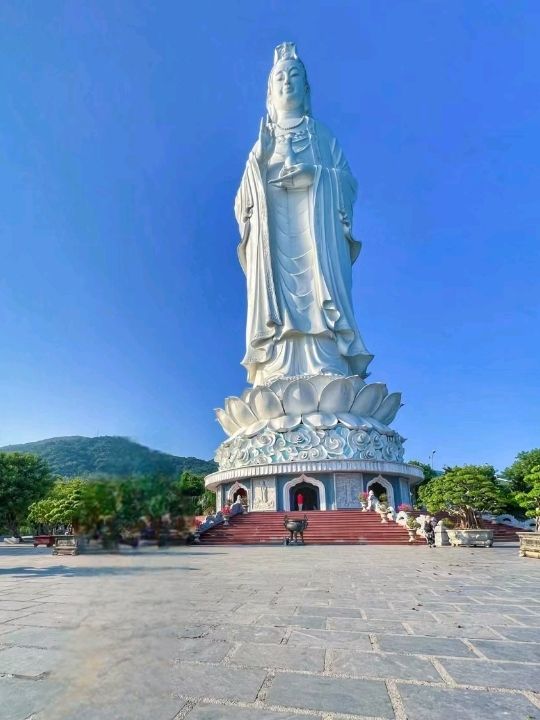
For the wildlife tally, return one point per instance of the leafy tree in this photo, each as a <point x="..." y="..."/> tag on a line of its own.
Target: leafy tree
<point x="192" y="485"/>
<point x="24" y="479"/>
<point x="464" y="492"/>
<point x="64" y="505"/>
<point x="521" y="467"/>
<point x="207" y="503"/>
<point x="530" y="500"/>
<point x="197" y="498"/>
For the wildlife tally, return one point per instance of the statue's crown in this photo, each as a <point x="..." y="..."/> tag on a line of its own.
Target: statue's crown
<point x="285" y="51"/>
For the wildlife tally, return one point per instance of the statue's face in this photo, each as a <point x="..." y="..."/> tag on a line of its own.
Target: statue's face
<point x="288" y="86"/>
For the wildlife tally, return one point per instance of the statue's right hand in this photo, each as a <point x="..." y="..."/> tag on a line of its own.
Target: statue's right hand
<point x="266" y="142"/>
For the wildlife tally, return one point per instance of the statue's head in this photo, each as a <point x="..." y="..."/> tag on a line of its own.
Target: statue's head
<point x="288" y="87"/>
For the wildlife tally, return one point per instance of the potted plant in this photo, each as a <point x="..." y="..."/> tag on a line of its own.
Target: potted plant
<point x="226" y="511"/>
<point x="412" y="527"/>
<point x="382" y="507"/>
<point x="465" y="493"/>
<point x="529" y="542"/>
<point x="363" y="498"/>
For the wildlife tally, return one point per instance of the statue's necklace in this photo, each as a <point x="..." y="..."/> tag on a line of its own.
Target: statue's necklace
<point x="290" y="124"/>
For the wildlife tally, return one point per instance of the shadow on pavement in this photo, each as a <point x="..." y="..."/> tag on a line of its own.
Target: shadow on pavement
<point x="65" y="571"/>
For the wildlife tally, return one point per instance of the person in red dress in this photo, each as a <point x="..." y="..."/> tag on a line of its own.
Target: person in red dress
<point x="300" y="501"/>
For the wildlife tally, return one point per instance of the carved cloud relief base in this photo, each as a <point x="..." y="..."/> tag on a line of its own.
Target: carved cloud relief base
<point x="303" y="443"/>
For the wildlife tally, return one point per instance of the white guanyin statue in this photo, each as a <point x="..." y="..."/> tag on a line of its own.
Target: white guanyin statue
<point x="294" y="209"/>
<point x="305" y="358"/>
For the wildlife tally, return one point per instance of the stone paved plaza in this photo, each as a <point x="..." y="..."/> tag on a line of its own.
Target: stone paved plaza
<point x="270" y="633"/>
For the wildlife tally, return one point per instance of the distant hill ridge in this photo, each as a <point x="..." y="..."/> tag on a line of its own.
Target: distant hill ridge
<point x="108" y="456"/>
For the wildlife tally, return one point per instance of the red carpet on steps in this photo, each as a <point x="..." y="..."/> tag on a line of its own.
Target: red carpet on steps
<point x="346" y="527"/>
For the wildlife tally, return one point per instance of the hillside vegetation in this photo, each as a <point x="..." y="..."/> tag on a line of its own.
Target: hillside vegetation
<point x="78" y="456"/>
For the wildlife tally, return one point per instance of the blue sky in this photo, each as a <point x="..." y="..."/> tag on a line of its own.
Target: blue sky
<point x="125" y="128"/>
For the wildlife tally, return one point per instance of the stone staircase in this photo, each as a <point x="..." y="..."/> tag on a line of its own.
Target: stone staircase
<point x="501" y="532"/>
<point x="346" y="527"/>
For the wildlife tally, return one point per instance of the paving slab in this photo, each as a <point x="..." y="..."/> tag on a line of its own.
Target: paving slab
<point x="329" y="638"/>
<point x="528" y="620"/>
<point x="521" y="634"/>
<point x="457" y="630"/>
<point x="28" y="662"/>
<point x="22" y="698"/>
<point x="247" y="633"/>
<point x="519" y="676"/>
<point x="45" y="619"/>
<point x="218" y="681"/>
<point x="338" y="695"/>
<point x="508" y="650"/>
<point x="156" y="708"/>
<point x="426" y="703"/>
<point x="284" y="657"/>
<point x="38" y="637"/>
<point x="7" y="605"/>
<point x="202" y="650"/>
<point x="303" y="621"/>
<point x="486" y="618"/>
<point x="206" y="711"/>
<point x="334" y="611"/>
<point x="359" y="625"/>
<point x="381" y="665"/>
<point x="420" y="645"/>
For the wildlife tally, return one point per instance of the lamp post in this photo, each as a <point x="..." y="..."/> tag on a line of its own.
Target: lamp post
<point x="431" y="459"/>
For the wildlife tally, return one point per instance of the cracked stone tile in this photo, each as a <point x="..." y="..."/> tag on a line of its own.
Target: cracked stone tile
<point x="29" y="662"/>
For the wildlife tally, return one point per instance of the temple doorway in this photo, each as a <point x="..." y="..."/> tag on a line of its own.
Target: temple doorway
<point x="238" y="492"/>
<point x="309" y="492"/>
<point x="382" y="486"/>
<point x="378" y="490"/>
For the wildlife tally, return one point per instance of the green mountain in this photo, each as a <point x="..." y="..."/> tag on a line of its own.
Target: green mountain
<point x="108" y="456"/>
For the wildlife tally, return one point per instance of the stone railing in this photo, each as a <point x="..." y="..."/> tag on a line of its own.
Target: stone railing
<point x="508" y="519"/>
<point x="217" y="519"/>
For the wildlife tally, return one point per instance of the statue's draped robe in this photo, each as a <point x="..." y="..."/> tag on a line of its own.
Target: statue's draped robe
<point x="297" y="252"/>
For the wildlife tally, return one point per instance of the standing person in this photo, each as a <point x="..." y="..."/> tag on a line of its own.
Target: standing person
<point x="300" y="501"/>
<point x="429" y="532"/>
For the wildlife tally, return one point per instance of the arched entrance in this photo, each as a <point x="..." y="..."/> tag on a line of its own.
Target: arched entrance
<point x="381" y="486"/>
<point x="239" y="491"/>
<point x="312" y="490"/>
<point x="309" y="494"/>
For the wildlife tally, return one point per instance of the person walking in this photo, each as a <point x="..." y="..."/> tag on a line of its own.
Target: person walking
<point x="429" y="532"/>
<point x="300" y="501"/>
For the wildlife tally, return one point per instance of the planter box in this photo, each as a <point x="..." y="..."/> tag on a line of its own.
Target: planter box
<point x="66" y="545"/>
<point x="441" y="536"/>
<point x="470" y="538"/>
<point x="529" y="544"/>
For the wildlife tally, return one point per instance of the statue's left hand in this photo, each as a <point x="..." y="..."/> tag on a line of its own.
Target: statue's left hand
<point x="295" y="177"/>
